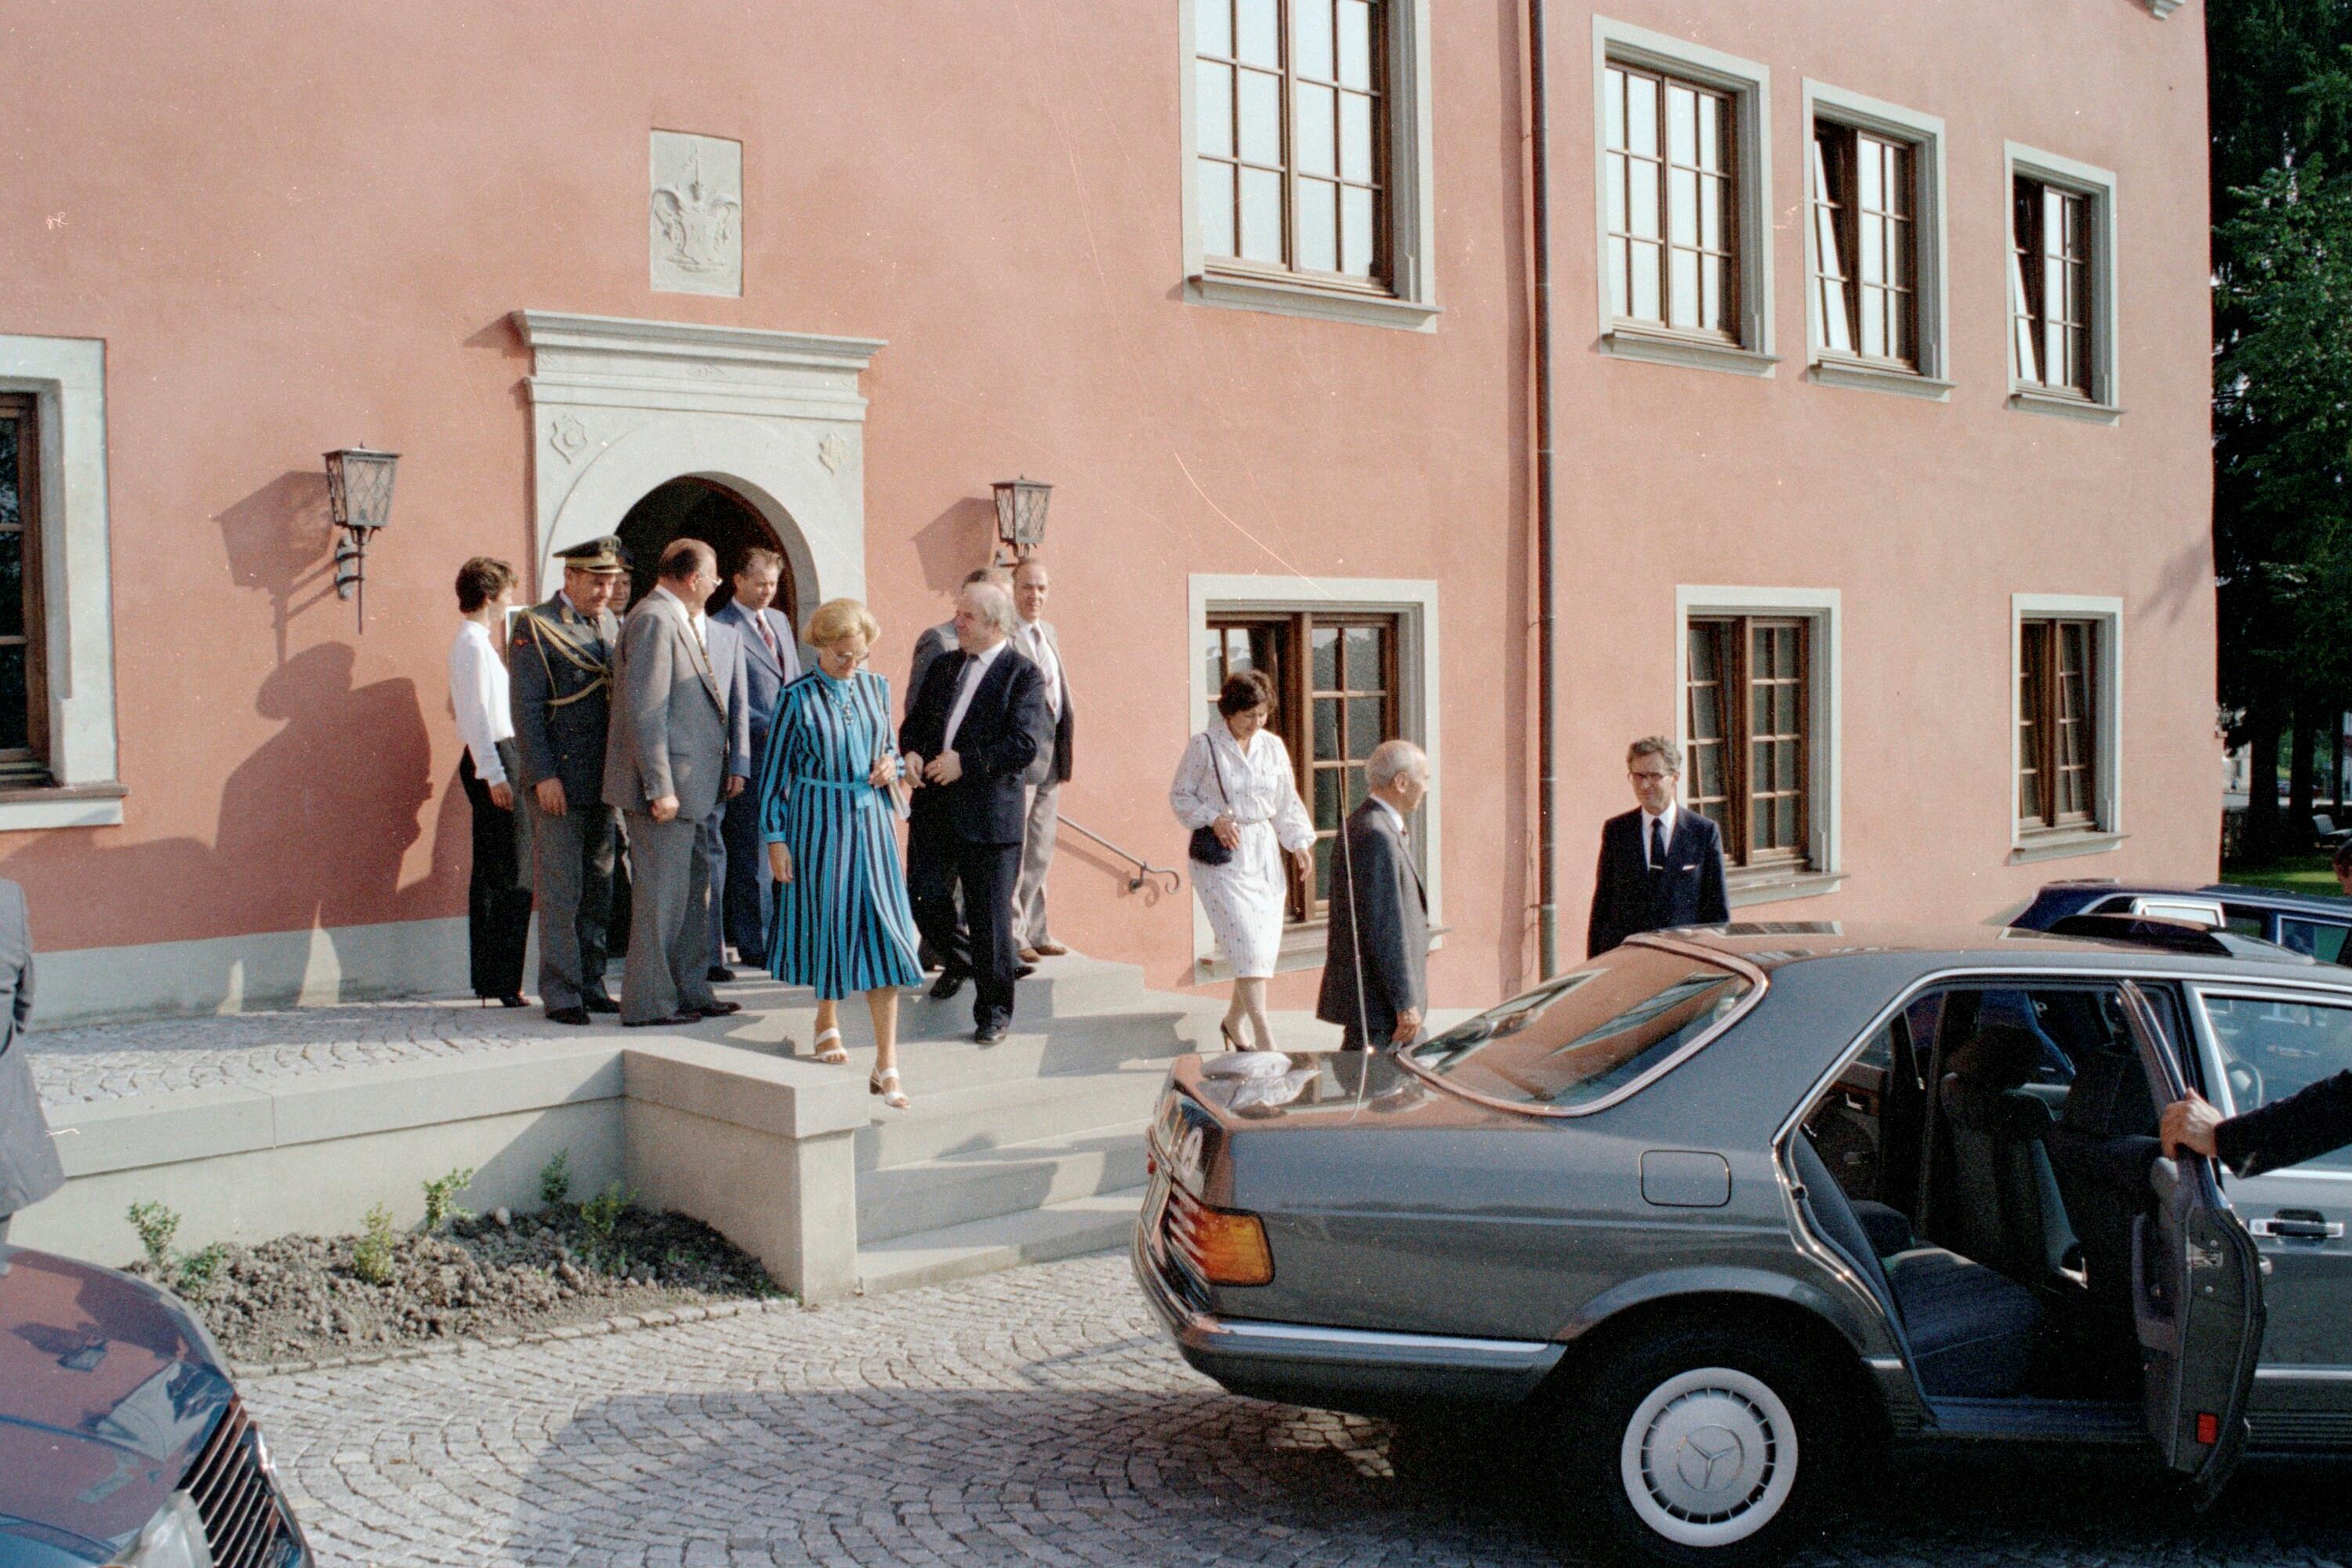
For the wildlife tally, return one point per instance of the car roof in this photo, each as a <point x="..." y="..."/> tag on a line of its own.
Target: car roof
<point x="1774" y="944"/>
<point x="2227" y="892"/>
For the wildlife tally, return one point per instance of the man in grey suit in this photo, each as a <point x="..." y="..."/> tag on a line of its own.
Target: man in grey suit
<point x="729" y="658"/>
<point x="29" y="1160"/>
<point x="1375" y="968"/>
<point x="771" y="661"/>
<point x="559" y="684"/>
<point x="1035" y="637"/>
<point x="665" y="769"/>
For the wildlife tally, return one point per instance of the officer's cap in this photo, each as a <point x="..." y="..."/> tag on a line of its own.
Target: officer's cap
<point x="606" y="554"/>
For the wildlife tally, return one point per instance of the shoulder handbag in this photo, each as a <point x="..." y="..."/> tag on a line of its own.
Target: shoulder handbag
<point x="1207" y="846"/>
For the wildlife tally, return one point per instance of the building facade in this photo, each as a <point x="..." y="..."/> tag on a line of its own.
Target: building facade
<point x="1879" y="389"/>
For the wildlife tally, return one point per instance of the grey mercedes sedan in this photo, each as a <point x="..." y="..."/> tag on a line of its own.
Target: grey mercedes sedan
<point x="1730" y="1212"/>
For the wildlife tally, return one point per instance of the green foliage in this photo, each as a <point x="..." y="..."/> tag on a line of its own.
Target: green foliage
<point x="197" y="1270"/>
<point x="371" y="1257"/>
<point x="601" y="1216"/>
<point x="441" y="1199"/>
<point x="189" y="1274"/>
<point x="555" y="1179"/>
<point x="156" y="1224"/>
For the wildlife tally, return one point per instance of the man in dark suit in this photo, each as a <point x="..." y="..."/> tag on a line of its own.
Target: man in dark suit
<point x="2303" y="1126"/>
<point x="977" y="724"/>
<point x="559" y="684"/>
<point x="934" y="641"/>
<point x="732" y="660"/>
<point x="1388" y="947"/>
<point x="771" y="661"/>
<point x="29" y="1170"/>
<point x="1660" y="865"/>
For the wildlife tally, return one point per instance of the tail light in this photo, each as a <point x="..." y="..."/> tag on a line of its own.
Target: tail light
<point x="2209" y="1429"/>
<point x="1223" y="1246"/>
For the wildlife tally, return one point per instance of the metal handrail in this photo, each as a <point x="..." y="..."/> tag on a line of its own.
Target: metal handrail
<point x="1144" y="869"/>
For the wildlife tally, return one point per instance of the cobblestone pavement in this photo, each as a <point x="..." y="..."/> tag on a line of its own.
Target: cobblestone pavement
<point x="1037" y="1416"/>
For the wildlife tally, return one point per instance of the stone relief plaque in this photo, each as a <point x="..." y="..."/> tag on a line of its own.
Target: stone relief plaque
<point x="697" y="214"/>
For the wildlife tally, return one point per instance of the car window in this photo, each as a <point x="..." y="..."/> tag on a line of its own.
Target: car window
<point x="1588" y="1033"/>
<point x="2321" y="940"/>
<point x="2272" y="1049"/>
<point x="2243" y="921"/>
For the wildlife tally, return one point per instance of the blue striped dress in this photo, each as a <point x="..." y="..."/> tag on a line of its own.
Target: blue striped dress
<point x="843" y="923"/>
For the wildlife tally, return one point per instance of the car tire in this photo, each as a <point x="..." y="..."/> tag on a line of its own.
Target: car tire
<point x="1701" y="1446"/>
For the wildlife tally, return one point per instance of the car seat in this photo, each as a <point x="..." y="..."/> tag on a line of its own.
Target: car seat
<point x="2009" y="1212"/>
<point x="2101" y="1150"/>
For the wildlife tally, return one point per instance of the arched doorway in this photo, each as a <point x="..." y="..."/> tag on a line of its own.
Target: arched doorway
<point x="705" y="510"/>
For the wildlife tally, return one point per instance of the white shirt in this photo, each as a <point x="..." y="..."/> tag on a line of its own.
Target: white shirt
<point x="477" y="693"/>
<point x="975" y="670"/>
<point x="1033" y="643"/>
<point x="1666" y="816"/>
<point x="694" y="616"/>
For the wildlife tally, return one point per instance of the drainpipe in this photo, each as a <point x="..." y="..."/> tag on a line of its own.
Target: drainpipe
<point x="1539" y="176"/>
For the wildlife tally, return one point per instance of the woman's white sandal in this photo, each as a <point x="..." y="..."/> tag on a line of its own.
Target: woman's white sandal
<point x="892" y="1096"/>
<point x="834" y="1056"/>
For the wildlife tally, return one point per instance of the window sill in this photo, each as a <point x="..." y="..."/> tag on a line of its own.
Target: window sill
<point x="1303" y="947"/>
<point x="2064" y="843"/>
<point x="2032" y="400"/>
<point x="1744" y="889"/>
<point x="1691" y="352"/>
<point x="1283" y="297"/>
<point x="26" y="808"/>
<point x="1864" y="377"/>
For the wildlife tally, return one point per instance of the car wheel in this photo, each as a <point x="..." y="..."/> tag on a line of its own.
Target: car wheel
<point x="1703" y="1447"/>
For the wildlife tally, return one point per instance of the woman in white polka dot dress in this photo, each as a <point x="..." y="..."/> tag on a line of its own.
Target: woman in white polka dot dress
<point x="1235" y="780"/>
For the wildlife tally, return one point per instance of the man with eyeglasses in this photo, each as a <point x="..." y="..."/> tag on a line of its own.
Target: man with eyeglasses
<point x="1661" y="866"/>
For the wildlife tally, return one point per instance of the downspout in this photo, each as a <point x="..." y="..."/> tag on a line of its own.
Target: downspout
<point x="1540" y="175"/>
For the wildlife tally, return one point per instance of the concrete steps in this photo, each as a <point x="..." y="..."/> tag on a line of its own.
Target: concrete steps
<point x="980" y="1184"/>
<point x="1093" y="1223"/>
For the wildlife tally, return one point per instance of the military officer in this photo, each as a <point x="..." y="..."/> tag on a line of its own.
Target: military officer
<point x="560" y="667"/>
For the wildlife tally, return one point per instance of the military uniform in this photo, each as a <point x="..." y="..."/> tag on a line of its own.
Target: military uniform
<point x="561" y="667"/>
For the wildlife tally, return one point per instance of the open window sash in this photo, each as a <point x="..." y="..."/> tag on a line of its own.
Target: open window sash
<point x="2196" y="1294"/>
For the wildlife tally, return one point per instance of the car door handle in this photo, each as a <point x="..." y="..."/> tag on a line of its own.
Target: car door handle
<point x="2298" y="1225"/>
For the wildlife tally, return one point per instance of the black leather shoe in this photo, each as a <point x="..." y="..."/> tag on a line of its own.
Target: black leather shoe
<point x="600" y="1005"/>
<point x="989" y="1033"/>
<point x="944" y="988"/>
<point x="1025" y="972"/>
<point x="673" y="1020"/>
<point x="514" y="1000"/>
<point x="719" y="974"/>
<point x="567" y="1016"/>
<point x="719" y="1009"/>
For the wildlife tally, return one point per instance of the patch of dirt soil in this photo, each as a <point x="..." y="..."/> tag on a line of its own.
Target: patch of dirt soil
<point x="303" y="1298"/>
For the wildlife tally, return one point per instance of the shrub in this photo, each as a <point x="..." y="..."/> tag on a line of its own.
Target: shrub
<point x="441" y="1199"/>
<point x="371" y="1257"/>
<point x="555" y="1179"/>
<point x="156" y="1226"/>
<point x="189" y="1274"/>
<point x="601" y="1216"/>
<point x="198" y="1269"/>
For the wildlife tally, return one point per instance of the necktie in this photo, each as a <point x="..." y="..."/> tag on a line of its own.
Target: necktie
<point x="1657" y="844"/>
<point x="766" y="635"/>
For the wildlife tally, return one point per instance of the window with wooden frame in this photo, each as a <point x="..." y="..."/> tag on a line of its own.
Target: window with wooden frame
<point x="1865" y="190"/>
<point x="24" y="685"/>
<point x="1748" y="762"/>
<point x="2053" y="287"/>
<point x="1291" y="152"/>
<point x="2057" y="725"/>
<point x="1336" y="684"/>
<point x="1669" y="165"/>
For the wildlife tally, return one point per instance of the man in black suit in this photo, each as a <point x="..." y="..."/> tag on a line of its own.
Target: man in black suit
<point x="1660" y="865"/>
<point x="2303" y="1126"/>
<point x="1374" y="871"/>
<point x="977" y="724"/>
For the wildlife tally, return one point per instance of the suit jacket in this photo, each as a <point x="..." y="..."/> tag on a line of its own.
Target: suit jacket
<point x="934" y="641"/>
<point x="1628" y="899"/>
<point x="29" y="1170"/>
<point x="558" y="684"/>
<point x="1007" y="729"/>
<point x="671" y="732"/>
<point x="1393" y="930"/>
<point x="1057" y="766"/>
<point x="2303" y="1126"/>
<point x="766" y="674"/>
<point x="731" y="662"/>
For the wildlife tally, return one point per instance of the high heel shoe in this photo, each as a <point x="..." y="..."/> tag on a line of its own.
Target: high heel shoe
<point x="885" y="1084"/>
<point x="1233" y="1041"/>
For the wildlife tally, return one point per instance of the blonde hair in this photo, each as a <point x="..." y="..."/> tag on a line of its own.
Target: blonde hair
<point x="837" y="619"/>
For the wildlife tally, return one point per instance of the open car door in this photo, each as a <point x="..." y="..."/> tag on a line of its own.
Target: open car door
<point x="2197" y="1295"/>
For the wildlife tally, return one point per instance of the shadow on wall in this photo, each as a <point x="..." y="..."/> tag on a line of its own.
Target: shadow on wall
<point x="281" y="539"/>
<point x="958" y="541"/>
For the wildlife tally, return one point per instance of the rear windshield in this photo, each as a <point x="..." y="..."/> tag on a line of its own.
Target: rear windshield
<point x="1581" y="1038"/>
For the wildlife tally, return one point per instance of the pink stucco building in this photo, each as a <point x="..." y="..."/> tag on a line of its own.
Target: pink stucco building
<point x="1879" y="374"/>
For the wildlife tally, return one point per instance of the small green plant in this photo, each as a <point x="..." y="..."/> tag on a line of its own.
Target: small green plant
<point x="441" y="1199"/>
<point x="555" y="1179"/>
<point x="190" y="1274"/>
<point x="198" y="1269"/>
<point x="601" y="1216"/>
<point x="156" y="1226"/>
<point x="372" y="1257"/>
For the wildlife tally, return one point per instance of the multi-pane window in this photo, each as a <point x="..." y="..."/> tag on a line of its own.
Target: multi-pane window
<point x="1866" y="241"/>
<point x="1668" y="167"/>
<point x="1748" y="756"/>
<point x="24" y="691"/>
<point x="2051" y="287"/>
<point x="1290" y="154"/>
<point x="2057" y="735"/>
<point x="1334" y="679"/>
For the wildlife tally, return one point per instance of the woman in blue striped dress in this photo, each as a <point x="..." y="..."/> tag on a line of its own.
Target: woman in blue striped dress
<point x="828" y="813"/>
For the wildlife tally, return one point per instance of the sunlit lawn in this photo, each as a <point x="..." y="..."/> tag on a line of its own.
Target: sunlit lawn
<point x="2295" y="873"/>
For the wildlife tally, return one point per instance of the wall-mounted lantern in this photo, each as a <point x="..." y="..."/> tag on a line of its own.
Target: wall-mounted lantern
<point x="359" y="494"/>
<point x="1020" y="515"/>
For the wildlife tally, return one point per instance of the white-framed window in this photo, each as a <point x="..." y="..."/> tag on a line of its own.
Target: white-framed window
<point x="1683" y="192"/>
<point x="1758" y="698"/>
<point x="1308" y="182"/>
<point x="2061" y="286"/>
<point x="1354" y="661"/>
<point x="2065" y="660"/>
<point x="57" y="753"/>
<point x="1875" y="245"/>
